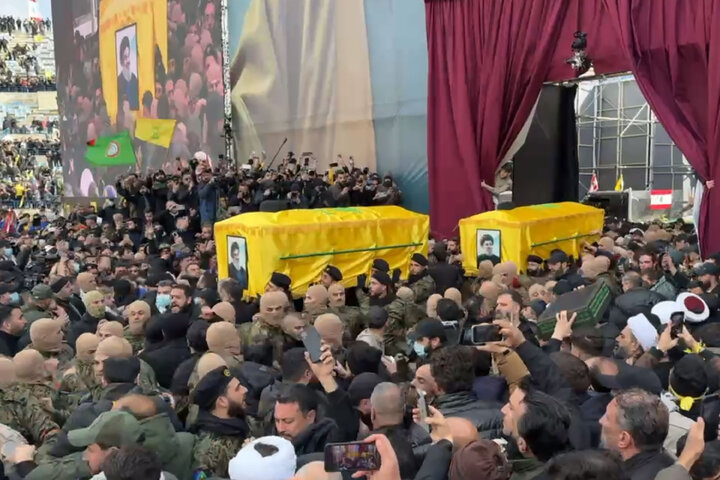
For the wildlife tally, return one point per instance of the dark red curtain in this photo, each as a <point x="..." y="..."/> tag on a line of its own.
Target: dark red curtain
<point x="674" y="52"/>
<point x="487" y="62"/>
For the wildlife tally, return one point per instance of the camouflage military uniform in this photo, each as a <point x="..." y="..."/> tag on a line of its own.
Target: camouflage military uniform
<point x="352" y="317"/>
<point x="25" y="414"/>
<point x="137" y="341"/>
<point x="422" y="289"/>
<point x="413" y="314"/>
<point x="64" y="356"/>
<point x="213" y="452"/>
<point x="259" y="332"/>
<point x="396" y="326"/>
<point x="79" y="378"/>
<point x="47" y="398"/>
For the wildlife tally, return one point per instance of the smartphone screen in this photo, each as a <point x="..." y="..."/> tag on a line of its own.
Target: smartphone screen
<point x="312" y="341"/>
<point x="484" y="333"/>
<point x="351" y="457"/>
<point x="677" y="320"/>
<point x="422" y="406"/>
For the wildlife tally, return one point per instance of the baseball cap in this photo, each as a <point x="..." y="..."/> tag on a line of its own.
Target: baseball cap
<point x="115" y="428"/>
<point x="362" y="386"/>
<point x="708" y="269"/>
<point x="41" y="292"/>
<point x="430" y="328"/>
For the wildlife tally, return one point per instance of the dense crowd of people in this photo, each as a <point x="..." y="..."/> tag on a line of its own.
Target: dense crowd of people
<point x="26" y="181"/>
<point x="31" y="26"/>
<point x="18" y="83"/>
<point x="124" y="355"/>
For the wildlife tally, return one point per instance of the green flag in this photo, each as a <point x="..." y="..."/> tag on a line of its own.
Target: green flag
<point x="111" y="150"/>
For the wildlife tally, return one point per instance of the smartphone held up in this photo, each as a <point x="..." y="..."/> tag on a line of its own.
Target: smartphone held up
<point x="351" y="457"/>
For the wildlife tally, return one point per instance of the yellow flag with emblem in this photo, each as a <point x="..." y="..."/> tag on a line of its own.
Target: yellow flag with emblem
<point x="155" y="131"/>
<point x="620" y="184"/>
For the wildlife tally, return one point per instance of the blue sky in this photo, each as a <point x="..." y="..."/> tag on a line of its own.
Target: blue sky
<point x="19" y="8"/>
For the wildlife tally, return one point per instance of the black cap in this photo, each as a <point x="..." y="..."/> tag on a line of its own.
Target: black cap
<point x="430" y="328"/>
<point x="420" y="259"/>
<point x="708" y="269"/>
<point x="334" y="272"/>
<point x="689" y="377"/>
<point x="557" y="256"/>
<point x="280" y="280"/>
<point x="534" y="258"/>
<point x="212" y="385"/>
<point x="5" y="288"/>
<point x="362" y="386"/>
<point x="380" y="264"/>
<point x="383" y="278"/>
<point x="378" y="315"/>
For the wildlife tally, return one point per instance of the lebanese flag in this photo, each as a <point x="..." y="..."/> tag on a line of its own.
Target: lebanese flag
<point x="660" y="199"/>
<point x="594" y="187"/>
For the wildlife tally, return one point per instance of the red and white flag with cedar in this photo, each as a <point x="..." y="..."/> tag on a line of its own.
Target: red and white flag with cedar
<point x="594" y="184"/>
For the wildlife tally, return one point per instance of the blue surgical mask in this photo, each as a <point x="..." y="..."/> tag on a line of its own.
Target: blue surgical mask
<point x="196" y="300"/>
<point x="162" y="302"/>
<point x="141" y="292"/>
<point x="419" y="349"/>
<point x="76" y="267"/>
<point x="15" y="298"/>
<point x="8" y="252"/>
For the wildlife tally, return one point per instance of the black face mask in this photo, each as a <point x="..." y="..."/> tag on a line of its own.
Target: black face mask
<point x="387" y="183"/>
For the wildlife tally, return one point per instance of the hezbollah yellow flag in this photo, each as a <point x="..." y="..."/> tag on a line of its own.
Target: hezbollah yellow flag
<point x="620" y="184"/>
<point x="155" y="131"/>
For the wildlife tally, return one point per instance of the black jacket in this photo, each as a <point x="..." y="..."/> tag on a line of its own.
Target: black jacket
<point x="484" y="415"/>
<point x="632" y="302"/>
<point x="166" y="359"/>
<point x="9" y="344"/>
<point x="591" y="411"/>
<point x="646" y="465"/>
<point x="87" y="324"/>
<point x="446" y="276"/>
<point x="314" y="438"/>
<point x="401" y="441"/>
<point x="179" y="385"/>
<point x="437" y="462"/>
<point x="546" y="377"/>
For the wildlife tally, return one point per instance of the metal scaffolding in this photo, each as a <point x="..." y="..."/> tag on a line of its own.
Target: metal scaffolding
<point x="618" y="134"/>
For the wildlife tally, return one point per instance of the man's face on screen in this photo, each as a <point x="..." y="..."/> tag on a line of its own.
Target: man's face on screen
<point x="125" y="59"/>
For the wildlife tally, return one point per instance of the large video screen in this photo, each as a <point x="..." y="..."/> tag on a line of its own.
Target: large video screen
<point x="120" y="61"/>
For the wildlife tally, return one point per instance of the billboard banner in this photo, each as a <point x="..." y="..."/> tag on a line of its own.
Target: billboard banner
<point x="335" y="78"/>
<point x="124" y="63"/>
